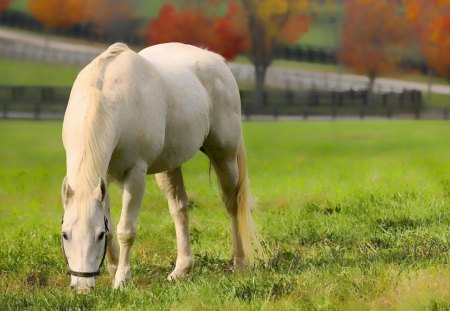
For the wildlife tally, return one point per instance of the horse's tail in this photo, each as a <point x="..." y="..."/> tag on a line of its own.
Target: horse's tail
<point x="250" y="237"/>
<point x="113" y="50"/>
<point x="101" y="61"/>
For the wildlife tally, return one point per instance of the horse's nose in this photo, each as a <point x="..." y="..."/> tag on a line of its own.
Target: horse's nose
<point x="82" y="285"/>
<point x="84" y="289"/>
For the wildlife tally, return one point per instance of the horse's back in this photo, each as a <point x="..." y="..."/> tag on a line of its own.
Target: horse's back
<point x="176" y="60"/>
<point x="187" y="68"/>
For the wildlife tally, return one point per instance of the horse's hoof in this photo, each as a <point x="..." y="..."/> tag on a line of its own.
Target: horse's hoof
<point x="178" y="274"/>
<point x="173" y="277"/>
<point x="120" y="285"/>
<point x="122" y="278"/>
<point x="183" y="267"/>
<point x="239" y="264"/>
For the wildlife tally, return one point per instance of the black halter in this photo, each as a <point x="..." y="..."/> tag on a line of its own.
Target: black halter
<point x="87" y="274"/>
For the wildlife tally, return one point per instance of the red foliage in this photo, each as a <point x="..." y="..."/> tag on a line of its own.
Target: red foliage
<point x="372" y="30"/>
<point x="192" y="26"/>
<point x="295" y="26"/>
<point x="4" y="4"/>
<point x="430" y="20"/>
<point x="229" y="37"/>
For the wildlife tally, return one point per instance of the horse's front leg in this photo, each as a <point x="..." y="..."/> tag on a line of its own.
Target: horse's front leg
<point x="112" y="251"/>
<point x="133" y="192"/>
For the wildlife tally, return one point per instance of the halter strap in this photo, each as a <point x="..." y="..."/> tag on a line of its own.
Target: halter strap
<point x="87" y="274"/>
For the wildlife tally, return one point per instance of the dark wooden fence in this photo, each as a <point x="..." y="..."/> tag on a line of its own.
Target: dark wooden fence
<point x="34" y="102"/>
<point x="335" y="104"/>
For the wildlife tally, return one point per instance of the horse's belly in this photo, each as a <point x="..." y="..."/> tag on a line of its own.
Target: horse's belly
<point x="182" y="141"/>
<point x="169" y="161"/>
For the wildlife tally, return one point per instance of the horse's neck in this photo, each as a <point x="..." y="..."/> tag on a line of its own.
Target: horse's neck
<point x="93" y="146"/>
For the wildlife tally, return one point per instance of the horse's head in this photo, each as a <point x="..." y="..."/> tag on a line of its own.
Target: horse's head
<point x="84" y="230"/>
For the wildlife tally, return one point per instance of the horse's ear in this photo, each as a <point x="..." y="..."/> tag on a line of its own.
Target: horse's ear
<point x="100" y="191"/>
<point x="66" y="191"/>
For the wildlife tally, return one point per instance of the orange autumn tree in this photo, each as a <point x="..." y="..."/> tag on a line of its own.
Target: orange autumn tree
<point x="57" y="13"/>
<point x="4" y="4"/>
<point x="372" y="31"/>
<point x="110" y="17"/>
<point x="271" y="24"/>
<point x="430" y="21"/>
<point x="192" y="25"/>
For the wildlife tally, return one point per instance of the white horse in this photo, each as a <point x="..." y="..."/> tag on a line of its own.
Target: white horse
<point x="130" y="115"/>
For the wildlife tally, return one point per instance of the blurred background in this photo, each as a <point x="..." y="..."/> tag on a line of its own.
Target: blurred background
<point x="291" y="58"/>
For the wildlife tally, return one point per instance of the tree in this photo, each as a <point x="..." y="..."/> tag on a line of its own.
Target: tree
<point x="219" y="34"/>
<point x="272" y="24"/>
<point x="4" y="4"/>
<point x="437" y="52"/>
<point x="430" y="21"/>
<point x="372" y="31"/>
<point x="228" y="37"/>
<point x="57" y="13"/>
<point x="111" y="18"/>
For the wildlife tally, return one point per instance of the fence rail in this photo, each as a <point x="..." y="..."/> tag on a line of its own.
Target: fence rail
<point x="335" y="104"/>
<point x="35" y="102"/>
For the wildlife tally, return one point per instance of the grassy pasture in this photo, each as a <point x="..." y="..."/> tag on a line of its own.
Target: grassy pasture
<point x="355" y="215"/>
<point x="20" y="72"/>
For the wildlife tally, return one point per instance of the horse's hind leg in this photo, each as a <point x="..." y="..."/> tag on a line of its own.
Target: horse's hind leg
<point x="133" y="192"/>
<point x="172" y="184"/>
<point x="227" y="170"/>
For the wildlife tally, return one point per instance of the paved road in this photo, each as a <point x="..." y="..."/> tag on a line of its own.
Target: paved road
<point x="305" y="79"/>
<point x="18" y="44"/>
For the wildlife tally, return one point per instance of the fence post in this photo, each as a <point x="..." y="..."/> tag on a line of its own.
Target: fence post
<point x="312" y="101"/>
<point x="417" y="101"/>
<point x="245" y="105"/>
<point x="334" y="99"/>
<point x="289" y="98"/>
<point x="420" y="101"/>
<point x="5" y="109"/>
<point x="362" y="107"/>
<point x="387" y="104"/>
<point x="37" y="109"/>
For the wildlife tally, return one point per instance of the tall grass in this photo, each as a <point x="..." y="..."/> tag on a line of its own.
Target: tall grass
<point x="355" y="215"/>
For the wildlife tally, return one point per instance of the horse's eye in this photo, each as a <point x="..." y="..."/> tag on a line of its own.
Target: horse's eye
<point x="65" y="236"/>
<point x="101" y="236"/>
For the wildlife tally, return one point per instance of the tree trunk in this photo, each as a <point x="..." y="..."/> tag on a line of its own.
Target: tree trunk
<point x="370" y="89"/>
<point x="260" y="83"/>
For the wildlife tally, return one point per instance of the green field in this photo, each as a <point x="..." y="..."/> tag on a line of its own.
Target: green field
<point x="20" y="72"/>
<point x="355" y="216"/>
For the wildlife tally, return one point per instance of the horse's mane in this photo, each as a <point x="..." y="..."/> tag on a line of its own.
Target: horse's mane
<point x="95" y="137"/>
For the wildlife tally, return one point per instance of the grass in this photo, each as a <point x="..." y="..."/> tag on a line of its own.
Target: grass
<point x="322" y="35"/>
<point x="20" y="72"/>
<point x="355" y="216"/>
